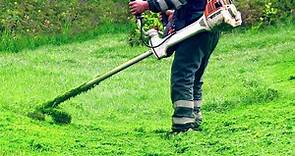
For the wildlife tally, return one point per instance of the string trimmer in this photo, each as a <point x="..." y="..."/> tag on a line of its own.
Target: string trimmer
<point x="217" y="12"/>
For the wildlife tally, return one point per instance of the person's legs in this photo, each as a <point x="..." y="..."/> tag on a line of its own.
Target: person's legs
<point x="190" y="61"/>
<point x="187" y="61"/>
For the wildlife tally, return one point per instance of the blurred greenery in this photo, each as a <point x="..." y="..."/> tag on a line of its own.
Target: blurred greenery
<point x="38" y="16"/>
<point x="266" y="12"/>
<point x="31" y="23"/>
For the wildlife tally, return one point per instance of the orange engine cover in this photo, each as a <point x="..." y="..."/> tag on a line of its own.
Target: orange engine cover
<point x="215" y="5"/>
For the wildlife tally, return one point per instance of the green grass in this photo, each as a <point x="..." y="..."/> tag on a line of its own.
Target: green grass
<point x="248" y="99"/>
<point x="19" y="42"/>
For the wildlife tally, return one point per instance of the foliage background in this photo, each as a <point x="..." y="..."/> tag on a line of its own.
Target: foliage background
<point x="31" y="23"/>
<point x="266" y="12"/>
<point x="39" y="16"/>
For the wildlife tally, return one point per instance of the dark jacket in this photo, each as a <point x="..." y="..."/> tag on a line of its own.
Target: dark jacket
<point x="186" y="11"/>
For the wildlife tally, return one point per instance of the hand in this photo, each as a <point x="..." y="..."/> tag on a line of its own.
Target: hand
<point x="170" y="13"/>
<point x="138" y="6"/>
<point x="168" y="22"/>
<point x="167" y="18"/>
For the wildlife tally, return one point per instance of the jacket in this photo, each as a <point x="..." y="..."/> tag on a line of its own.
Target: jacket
<point x="186" y="11"/>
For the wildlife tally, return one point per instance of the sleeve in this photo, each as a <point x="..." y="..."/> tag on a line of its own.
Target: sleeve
<point x="163" y="5"/>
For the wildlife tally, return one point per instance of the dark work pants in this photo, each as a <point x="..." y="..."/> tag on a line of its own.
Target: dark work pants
<point x="190" y="61"/>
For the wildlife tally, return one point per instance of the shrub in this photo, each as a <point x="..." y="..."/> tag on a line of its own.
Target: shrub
<point x="151" y="20"/>
<point x="265" y="12"/>
<point x="53" y="17"/>
<point x="39" y="20"/>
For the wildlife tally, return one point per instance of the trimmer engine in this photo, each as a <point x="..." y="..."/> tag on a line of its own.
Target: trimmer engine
<point x="222" y="11"/>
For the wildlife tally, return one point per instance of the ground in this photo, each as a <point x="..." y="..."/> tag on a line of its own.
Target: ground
<point x="248" y="107"/>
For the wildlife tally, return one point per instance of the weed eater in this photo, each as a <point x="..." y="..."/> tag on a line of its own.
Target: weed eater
<point x="217" y="13"/>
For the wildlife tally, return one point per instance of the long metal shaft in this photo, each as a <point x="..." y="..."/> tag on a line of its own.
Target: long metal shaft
<point x="92" y="83"/>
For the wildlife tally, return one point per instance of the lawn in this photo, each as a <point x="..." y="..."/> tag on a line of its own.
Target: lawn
<point x="249" y="99"/>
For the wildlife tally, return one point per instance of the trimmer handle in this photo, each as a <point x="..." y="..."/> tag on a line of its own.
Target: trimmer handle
<point x="138" y="16"/>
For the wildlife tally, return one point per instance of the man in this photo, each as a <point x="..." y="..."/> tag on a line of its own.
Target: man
<point x="190" y="60"/>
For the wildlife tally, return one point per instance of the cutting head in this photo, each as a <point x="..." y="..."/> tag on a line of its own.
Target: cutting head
<point x="222" y="11"/>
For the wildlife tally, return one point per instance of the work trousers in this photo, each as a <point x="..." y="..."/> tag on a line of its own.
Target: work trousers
<point x="190" y="61"/>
